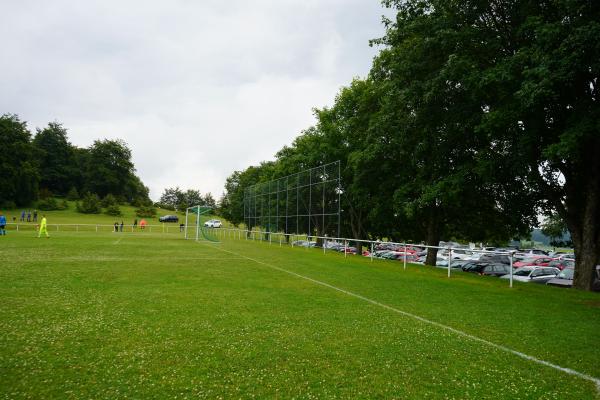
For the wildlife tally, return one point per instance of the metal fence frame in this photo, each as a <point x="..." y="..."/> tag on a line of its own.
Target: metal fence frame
<point x="274" y="199"/>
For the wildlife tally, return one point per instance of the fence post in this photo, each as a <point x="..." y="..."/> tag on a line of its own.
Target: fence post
<point x="449" y="261"/>
<point x="404" y="255"/>
<point x="345" y="248"/>
<point x="371" y="251"/>
<point x="511" y="268"/>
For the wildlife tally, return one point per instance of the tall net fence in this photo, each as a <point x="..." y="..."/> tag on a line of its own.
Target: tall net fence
<point x="307" y="202"/>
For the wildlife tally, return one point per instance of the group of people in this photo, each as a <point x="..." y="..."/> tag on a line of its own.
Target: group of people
<point x="43" y="227"/>
<point x="29" y="215"/>
<point x="119" y="227"/>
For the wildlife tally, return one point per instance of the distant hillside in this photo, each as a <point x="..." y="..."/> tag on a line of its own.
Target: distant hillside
<point x="538" y="236"/>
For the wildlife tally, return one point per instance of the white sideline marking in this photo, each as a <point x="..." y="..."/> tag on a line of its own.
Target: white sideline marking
<point x="117" y="242"/>
<point x="569" y="371"/>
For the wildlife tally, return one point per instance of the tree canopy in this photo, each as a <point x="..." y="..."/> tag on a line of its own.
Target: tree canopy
<point x="476" y="117"/>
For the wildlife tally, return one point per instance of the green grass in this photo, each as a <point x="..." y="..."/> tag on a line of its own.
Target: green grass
<point x="141" y="315"/>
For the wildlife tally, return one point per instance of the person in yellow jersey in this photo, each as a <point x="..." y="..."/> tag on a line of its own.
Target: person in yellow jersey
<point x="43" y="227"/>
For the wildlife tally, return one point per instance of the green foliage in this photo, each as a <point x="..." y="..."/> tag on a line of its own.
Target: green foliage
<point x="90" y="204"/>
<point x="19" y="175"/>
<point x="109" y="200"/>
<point x="146" y="212"/>
<point x="63" y="205"/>
<point x="113" y="210"/>
<point x="73" y="194"/>
<point x="48" y="204"/>
<point x="58" y="170"/>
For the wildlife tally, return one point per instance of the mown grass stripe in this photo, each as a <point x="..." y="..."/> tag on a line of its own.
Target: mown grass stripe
<point x="569" y="371"/>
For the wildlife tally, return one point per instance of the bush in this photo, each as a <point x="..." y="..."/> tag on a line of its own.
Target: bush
<point x="48" y="204"/>
<point x="73" y="194"/>
<point x="90" y="204"/>
<point x="109" y="200"/>
<point x="63" y="205"/>
<point x="113" y="210"/>
<point x="146" y="211"/>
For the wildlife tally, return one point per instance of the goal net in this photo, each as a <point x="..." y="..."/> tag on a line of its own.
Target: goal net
<point x="196" y="226"/>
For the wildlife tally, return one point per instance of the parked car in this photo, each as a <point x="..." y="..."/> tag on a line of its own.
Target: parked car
<point x="169" y="218"/>
<point x="596" y="283"/>
<point x="490" y="269"/>
<point x="563" y="279"/>
<point x="562" y="264"/>
<point x="540" y="261"/>
<point x="213" y="223"/>
<point x="496" y="269"/>
<point x="495" y="258"/>
<point x="533" y="274"/>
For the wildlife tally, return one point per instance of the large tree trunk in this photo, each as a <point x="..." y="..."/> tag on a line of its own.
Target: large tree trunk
<point x="582" y="215"/>
<point x="585" y="234"/>
<point x="433" y="238"/>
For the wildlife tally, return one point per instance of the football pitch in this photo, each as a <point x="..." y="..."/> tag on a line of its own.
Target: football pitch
<point x="141" y="315"/>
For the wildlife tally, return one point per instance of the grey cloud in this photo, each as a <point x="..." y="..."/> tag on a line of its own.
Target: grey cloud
<point x="220" y="85"/>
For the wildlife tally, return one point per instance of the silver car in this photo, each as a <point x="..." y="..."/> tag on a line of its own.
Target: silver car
<point x="533" y="274"/>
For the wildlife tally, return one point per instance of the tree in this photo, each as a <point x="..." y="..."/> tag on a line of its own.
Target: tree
<point x="171" y="198"/>
<point x="543" y="112"/>
<point x="19" y="177"/>
<point x="109" y="168"/>
<point x="431" y="108"/>
<point x="90" y="204"/>
<point x="58" y="170"/>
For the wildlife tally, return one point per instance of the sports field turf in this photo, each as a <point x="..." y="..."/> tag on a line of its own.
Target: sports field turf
<point x="140" y="315"/>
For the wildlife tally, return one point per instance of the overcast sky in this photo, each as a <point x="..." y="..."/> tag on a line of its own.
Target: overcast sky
<point x="197" y="89"/>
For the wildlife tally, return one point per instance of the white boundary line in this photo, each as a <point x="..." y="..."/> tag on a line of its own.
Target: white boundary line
<point x="569" y="371"/>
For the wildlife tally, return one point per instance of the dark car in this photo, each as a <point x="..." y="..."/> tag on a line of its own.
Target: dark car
<point x="496" y="269"/>
<point x="495" y="258"/>
<point x="563" y="279"/>
<point x="169" y="218"/>
<point x="485" y="268"/>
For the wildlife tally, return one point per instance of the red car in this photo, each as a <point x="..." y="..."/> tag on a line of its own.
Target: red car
<point x="537" y="261"/>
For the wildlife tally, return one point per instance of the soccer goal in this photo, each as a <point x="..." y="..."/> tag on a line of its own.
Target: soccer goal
<point x="195" y="219"/>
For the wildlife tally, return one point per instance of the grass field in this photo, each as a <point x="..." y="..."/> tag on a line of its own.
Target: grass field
<point x="140" y="315"/>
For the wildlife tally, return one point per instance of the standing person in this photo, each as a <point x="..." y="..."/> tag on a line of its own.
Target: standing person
<point x="22" y="216"/>
<point x="116" y="227"/>
<point x="2" y="224"/>
<point x="43" y="227"/>
<point x="34" y="215"/>
<point x="135" y="223"/>
<point x="28" y="215"/>
<point x="121" y="226"/>
<point x="142" y="224"/>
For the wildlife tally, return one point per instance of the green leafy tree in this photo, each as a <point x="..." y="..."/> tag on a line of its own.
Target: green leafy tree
<point x="90" y="204"/>
<point x="108" y="168"/>
<point x="73" y="194"/>
<point x="19" y="176"/>
<point x="113" y="210"/>
<point x="58" y="170"/>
